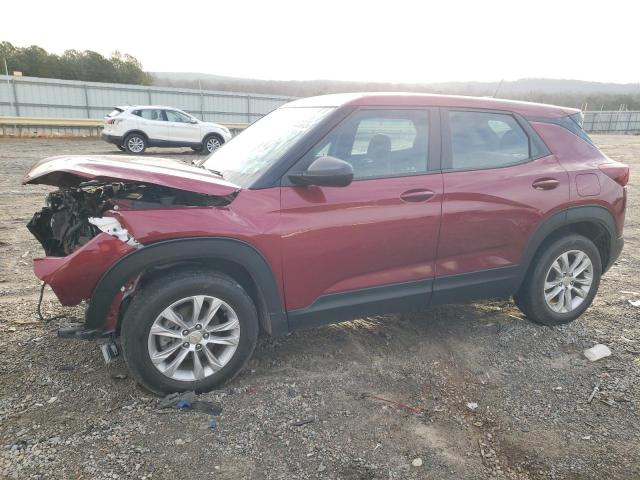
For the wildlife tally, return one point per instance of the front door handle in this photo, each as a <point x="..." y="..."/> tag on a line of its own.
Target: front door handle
<point x="545" y="183"/>
<point x="417" y="195"/>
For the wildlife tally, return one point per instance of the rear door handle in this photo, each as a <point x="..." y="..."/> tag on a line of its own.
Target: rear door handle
<point x="417" y="195"/>
<point x="545" y="184"/>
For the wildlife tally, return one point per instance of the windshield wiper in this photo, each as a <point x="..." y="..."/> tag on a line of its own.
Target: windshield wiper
<point x="215" y="172"/>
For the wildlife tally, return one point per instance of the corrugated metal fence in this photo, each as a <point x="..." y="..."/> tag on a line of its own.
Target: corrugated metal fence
<point x="612" y="122"/>
<point x="38" y="98"/>
<point x="51" y="98"/>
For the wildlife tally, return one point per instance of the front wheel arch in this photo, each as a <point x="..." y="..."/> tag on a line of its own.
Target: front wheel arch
<point x="208" y="136"/>
<point x="246" y="265"/>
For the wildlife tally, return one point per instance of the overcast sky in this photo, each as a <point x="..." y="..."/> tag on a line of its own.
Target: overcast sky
<point x="394" y="40"/>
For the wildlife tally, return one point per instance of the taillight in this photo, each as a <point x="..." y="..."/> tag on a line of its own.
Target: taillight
<point x="108" y="120"/>
<point x="618" y="172"/>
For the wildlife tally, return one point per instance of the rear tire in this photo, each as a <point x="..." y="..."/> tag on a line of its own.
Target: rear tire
<point x="135" y="143"/>
<point x="213" y="352"/>
<point x="563" y="280"/>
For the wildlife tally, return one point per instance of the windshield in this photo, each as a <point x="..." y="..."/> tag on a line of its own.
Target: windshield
<point x="244" y="159"/>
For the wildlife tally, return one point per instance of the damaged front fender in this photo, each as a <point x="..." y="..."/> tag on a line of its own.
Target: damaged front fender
<point x="74" y="277"/>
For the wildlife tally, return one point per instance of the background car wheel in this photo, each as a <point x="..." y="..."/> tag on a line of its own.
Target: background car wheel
<point x="191" y="330"/>
<point x="212" y="143"/>
<point x="135" y="143"/>
<point x="121" y="148"/>
<point x="563" y="281"/>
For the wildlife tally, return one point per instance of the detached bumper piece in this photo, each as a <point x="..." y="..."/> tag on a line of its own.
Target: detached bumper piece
<point x="80" y="333"/>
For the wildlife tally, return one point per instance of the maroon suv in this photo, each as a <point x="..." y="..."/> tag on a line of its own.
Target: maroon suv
<point x="327" y="209"/>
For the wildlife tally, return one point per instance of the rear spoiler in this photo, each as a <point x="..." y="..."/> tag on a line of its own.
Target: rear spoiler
<point x="120" y="110"/>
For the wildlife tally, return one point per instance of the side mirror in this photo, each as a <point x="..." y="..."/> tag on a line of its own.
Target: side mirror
<point x="325" y="172"/>
<point x="193" y="120"/>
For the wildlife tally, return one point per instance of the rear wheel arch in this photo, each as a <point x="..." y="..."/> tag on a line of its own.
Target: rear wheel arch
<point x="235" y="258"/>
<point x="593" y="222"/>
<point x="137" y="132"/>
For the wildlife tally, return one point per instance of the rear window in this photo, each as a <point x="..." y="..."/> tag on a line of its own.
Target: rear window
<point x="486" y="140"/>
<point x="151" y="114"/>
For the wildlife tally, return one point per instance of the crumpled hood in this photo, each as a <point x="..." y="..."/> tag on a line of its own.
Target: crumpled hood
<point x="71" y="170"/>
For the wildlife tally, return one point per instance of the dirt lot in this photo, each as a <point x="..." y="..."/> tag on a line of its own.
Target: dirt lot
<point x="65" y="414"/>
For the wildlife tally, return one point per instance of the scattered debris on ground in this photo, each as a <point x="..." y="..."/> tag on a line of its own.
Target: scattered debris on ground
<point x="597" y="352"/>
<point x="296" y="411"/>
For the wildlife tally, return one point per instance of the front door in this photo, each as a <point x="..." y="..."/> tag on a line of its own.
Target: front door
<point x="181" y="128"/>
<point x="372" y="244"/>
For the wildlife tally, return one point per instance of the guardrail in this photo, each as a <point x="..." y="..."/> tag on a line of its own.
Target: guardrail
<point x="613" y="122"/>
<point x="65" y="127"/>
<point x="55" y="98"/>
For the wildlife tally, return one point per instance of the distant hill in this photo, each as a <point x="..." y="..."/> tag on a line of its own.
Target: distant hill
<point x="573" y="93"/>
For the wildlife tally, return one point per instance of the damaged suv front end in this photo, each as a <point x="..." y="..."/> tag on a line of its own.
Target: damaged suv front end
<point x="80" y="227"/>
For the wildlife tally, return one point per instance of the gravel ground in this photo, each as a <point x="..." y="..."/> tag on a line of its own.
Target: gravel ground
<point x="377" y="398"/>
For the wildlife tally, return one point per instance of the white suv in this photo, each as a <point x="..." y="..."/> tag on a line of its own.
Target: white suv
<point x="133" y="129"/>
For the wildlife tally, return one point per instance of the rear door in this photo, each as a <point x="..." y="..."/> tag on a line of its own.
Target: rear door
<point x="500" y="182"/>
<point x="374" y="240"/>
<point x="181" y="130"/>
<point x="153" y="123"/>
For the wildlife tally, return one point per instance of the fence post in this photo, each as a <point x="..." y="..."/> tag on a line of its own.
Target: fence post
<point x="149" y="93"/>
<point x="15" y="96"/>
<point x="249" y="109"/>
<point x="86" y="100"/>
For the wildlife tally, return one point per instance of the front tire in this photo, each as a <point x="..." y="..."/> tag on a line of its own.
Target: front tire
<point x="190" y="330"/>
<point x="135" y="143"/>
<point x="211" y="143"/>
<point x="563" y="281"/>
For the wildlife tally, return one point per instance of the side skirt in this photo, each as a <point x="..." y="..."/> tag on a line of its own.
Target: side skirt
<point x="497" y="282"/>
<point x="337" y="307"/>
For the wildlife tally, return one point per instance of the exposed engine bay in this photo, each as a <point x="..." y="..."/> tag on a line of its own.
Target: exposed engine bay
<point x="63" y="225"/>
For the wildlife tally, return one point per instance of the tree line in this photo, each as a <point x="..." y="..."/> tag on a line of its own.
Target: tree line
<point x="87" y="65"/>
<point x="35" y="61"/>
<point x="598" y="96"/>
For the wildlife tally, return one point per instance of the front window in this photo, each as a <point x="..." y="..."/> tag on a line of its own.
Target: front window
<point x="379" y="143"/>
<point x="244" y="159"/>
<point x="174" y="116"/>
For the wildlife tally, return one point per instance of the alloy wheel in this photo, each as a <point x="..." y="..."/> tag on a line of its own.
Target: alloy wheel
<point x="213" y="144"/>
<point x="193" y="338"/>
<point x="568" y="281"/>
<point x="135" y="144"/>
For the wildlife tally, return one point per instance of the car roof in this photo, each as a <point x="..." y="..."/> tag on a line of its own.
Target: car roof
<point x="402" y="99"/>
<point x="163" y="107"/>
